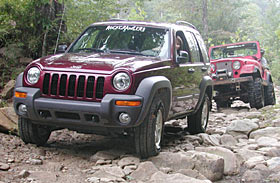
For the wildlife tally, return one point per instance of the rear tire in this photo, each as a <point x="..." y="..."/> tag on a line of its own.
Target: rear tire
<point x="269" y="95"/>
<point x="256" y="94"/>
<point x="33" y="133"/>
<point x="197" y="122"/>
<point x="148" y="136"/>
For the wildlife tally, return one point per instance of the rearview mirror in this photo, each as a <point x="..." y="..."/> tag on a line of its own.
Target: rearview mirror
<point x="183" y="57"/>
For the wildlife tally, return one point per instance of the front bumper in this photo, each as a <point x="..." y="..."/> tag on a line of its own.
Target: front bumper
<point x="77" y="114"/>
<point x="233" y="80"/>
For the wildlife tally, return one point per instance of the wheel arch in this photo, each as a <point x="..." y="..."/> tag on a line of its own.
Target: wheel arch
<point x="148" y="88"/>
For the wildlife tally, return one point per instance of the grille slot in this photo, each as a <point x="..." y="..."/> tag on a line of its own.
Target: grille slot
<point x="73" y="86"/>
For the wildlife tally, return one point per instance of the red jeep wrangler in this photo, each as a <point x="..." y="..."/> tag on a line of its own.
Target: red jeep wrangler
<point x="240" y="72"/>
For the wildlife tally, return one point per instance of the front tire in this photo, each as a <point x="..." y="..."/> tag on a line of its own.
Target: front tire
<point x="148" y="136"/>
<point x="269" y="95"/>
<point x="256" y="94"/>
<point x="32" y="133"/>
<point x="198" y="121"/>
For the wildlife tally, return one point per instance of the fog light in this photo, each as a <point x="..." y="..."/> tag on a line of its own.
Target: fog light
<point x="124" y="118"/>
<point x="22" y="109"/>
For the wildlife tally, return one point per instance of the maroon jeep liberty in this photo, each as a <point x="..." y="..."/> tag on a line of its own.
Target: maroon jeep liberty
<point x="118" y="77"/>
<point x="240" y="72"/>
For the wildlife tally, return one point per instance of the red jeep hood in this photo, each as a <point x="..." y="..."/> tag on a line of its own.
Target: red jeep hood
<point x="99" y="62"/>
<point x="241" y="59"/>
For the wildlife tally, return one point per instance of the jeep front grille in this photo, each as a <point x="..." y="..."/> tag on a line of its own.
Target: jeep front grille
<point x="224" y="66"/>
<point x="72" y="86"/>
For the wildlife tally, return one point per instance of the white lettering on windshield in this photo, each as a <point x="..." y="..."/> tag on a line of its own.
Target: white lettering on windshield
<point x="125" y="28"/>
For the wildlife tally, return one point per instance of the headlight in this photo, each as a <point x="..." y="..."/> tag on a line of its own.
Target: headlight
<point x="213" y="68"/>
<point x="33" y="75"/>
<point x="236" y="65"/>
<point x="121" y="81"/>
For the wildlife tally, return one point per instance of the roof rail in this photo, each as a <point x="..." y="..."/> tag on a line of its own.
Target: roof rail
<point x="185" y="23"/>
<point x="116" y="19"/>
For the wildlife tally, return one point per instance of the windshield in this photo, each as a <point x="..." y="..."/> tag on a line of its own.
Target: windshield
<point x="124" y="39"/>
<point x="240" y="50"/>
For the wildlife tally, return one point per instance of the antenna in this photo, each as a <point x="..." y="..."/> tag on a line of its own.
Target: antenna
<point x="185" y="23"/>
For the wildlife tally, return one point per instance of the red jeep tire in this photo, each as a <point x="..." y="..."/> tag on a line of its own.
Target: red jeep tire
<point x="256" y="94"/>
<point x="269" y="95"/>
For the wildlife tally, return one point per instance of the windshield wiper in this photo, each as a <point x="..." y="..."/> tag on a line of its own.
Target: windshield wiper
<point x="133" y="52"/>
<point x="90" y="50"/>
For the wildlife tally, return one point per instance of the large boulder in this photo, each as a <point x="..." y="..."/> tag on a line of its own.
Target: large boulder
<point x="8" y="120"/>
<point x="144" y="171"/>
<point x="209" y="165"/>
<point x="266" y="132"/>
<point x="244" y="126"/>
<point x="7" y="92"/>
<point x="175" y="161"/>
<point x="231" y="163"/>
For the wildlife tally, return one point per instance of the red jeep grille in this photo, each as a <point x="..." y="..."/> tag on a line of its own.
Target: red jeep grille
<point x="73" y="86"/>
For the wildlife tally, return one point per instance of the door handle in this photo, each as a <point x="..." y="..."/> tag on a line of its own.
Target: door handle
<point x="204" y="69"/>
<point x="191" y="70"/>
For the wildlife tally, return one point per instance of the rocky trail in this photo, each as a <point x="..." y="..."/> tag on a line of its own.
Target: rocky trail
<point x="241" y="145"/>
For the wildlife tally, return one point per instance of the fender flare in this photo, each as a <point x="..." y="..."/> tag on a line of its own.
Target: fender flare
<point x="19" y="80"/>
<point x="206" y="85"/>
<point x="147" y="89"/>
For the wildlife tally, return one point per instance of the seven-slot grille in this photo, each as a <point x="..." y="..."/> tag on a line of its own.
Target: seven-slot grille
<point x="224" y="66"/>
<point x="73" y="86"/>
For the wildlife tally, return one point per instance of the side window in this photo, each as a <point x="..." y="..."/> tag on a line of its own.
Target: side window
<point x="194" y="50"/>
<point x="181" y="43"/>
<point x="202" y="48"/>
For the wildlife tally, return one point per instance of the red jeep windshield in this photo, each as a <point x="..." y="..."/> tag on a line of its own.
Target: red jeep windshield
<point x="239" y="50"/>
<point x="124" y="39"/>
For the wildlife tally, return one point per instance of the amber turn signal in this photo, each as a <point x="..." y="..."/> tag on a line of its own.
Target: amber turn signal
<point x="128" y="103"/>
<point x="20" y="94"/>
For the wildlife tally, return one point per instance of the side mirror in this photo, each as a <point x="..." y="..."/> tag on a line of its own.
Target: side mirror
<point x="61" y="49"/>
<point x="183" y="57"/>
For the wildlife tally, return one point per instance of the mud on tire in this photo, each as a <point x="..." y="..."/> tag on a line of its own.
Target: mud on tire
<point x="269" y="95"/>
<point x="32" y="133"/>
<point x="197" y="122"/>
<point x="256" y="94"/>
<point x="148" y="136"/>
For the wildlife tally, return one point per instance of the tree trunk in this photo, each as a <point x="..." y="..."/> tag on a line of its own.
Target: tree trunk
<point x="205" y="19"/>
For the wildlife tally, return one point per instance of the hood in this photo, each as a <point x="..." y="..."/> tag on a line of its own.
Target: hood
<point x="241" y="59"/>
<point x="95" y="63"/>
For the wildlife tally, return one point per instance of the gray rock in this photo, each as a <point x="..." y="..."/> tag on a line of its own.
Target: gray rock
<point x="25" y="60"/>
<point x="276" y="122"/>
<point x="209" y="165"/>
<point x="6" y="124"/>
<point x="128" y="169"/>
<point x="273" y="163"/>
<point x="241" y="127"/>
<point x="252" y="115"/>
<point x="35" y="161"/>
<point x="130" y="160"/>
<point x="175" y="161"/>
<point x="252" y="162"/>
<point x="228" y="140"/>
<point x="23" y="174"/>
<point x="245" y="154"/>
<point x="271" y="151"/>
<point x="252" y="176"/>
<point x="275" y="177"/>
<point x="268" y="142"/>
<point x="144" y="171"/>
<point x="266" y="132"/>
<point x="7" y="92"/>
<point x="231" y="164"/>
<point x="105" y="155"/>
<point x="4" y="166"/>
<point x="213" y="140"/>
<point x="160" y="177"/>
<point x="192" y="173"/>
<point x="112" y="173"/>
